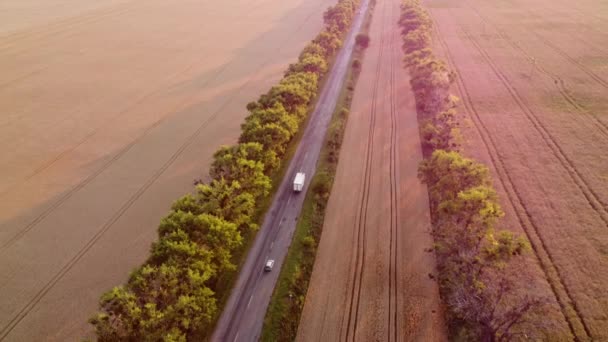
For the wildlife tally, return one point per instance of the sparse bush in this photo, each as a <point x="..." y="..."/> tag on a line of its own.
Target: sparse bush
<point x="344" y="113"/>
<point x="322" y="185"/>
<point x="362" y="40"/>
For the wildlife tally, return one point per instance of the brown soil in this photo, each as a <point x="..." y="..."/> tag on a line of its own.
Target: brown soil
<point x="371" y="276"/>
<point x="533" y="79"/>
<point x="110" y="110"/>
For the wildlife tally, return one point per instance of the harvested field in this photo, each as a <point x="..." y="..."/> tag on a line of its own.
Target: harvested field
<point x="533" y="79"/>
<point x="370" y="280"/>
<point x="109" y="112"/>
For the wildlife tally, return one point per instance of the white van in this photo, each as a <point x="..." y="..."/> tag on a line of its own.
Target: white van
<point x="298" y="182"/>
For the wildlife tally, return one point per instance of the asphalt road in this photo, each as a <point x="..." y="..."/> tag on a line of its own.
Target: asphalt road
<point x="244" y="313"/>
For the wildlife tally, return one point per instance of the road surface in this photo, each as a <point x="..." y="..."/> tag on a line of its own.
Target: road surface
<point x="244" y="313"/>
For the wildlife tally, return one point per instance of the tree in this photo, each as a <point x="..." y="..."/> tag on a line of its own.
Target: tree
<point x="309" y="63"/>
<point x="338" y="17"/>
<point x="242" y="163"/>
<point x="438" y="132"/>
<point x="418" y="57"/>
<point x="163" y="302"/>
<point x="362" y="40"/>
<point x="176" y="247"/>
<point x="329" y="41"/>
<point x="413" y="18"/>
<point x="431" y="81"/>
<point x="275" y="114"/>
<point x="223" y="199"/>
<point x="472" y="255"/>
<point x="215" y="234"/>
<point x="312" y="49"/>
<point x="447" y="173"/>
<point x="294" y="92"/>
<point x="417" y="39"/>
<point x="120" y="316"/>
<point x="271" y="135"/>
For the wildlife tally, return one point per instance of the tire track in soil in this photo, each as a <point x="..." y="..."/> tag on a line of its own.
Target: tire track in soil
<point x="61" y="26"/>
<point x="252" y="4"/>
<point x="394" y="240"/>
<point x="73" y="22"/>
<point x="557" y="80"/>
<point x="578" y="22"/>
<point x="569" y="309"/>
<point x="58" y="27"/>
<point x="583" y="68"/>
<point x="355" y="296"/>
<point x="91" y="177"/>
<point x="128" y="147"/>
<point x="591" y="196"/>
<point x="35" y="36"/>
<point x="140" y="100"/>
<point x="4" y="331"/>
<point x="587" y="14"/>
<point x="50" y="162"/>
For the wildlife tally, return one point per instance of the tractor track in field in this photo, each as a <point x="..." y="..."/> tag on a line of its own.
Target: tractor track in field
<point x="559" y="83"/>
<point x="598" y="79"/>
<point x="591" y="196"/>
<point x="563" y="297"/>
<point x="50" y="162"/>
<point x="122" y="152"/>
<point x="394" y="239"/>
<point x="357" y="276"/>
<point x="4" y="331"/>
<point x="59" y="27"/>
<point x="393" y="303"/>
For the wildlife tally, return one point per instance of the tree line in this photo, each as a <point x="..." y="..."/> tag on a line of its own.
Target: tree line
<point x="472" y="252"/>
<point x="174" y="295"/>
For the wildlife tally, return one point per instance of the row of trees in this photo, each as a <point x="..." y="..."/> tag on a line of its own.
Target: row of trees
<point x="173" y="295"/>
<point x="472" y="254"/>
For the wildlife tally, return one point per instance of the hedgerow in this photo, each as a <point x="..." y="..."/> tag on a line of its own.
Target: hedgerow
<point x="174" y="295"/>
<point x="472" y="253"/>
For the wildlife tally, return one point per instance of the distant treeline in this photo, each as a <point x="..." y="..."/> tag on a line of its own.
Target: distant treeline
<point x="174" y="295"/>
<point x="472" y="254"/>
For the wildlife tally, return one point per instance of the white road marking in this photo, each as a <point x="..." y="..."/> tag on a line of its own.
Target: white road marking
<point x="235" y="337"/>
<point x="271" y="244"/>
<point x="249" y="303"/>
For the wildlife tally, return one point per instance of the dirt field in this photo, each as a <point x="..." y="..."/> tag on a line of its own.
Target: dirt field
<point x="110" y="110"/>
<point x="533" y="79"/>
<point x="370" y="280"/>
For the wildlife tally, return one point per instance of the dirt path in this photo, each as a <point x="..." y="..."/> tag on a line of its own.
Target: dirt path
<point x="370" y="280"/>
<point x="532" y="76"/>
<point x="108" y="115"/>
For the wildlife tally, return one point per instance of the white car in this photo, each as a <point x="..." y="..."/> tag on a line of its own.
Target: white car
<point x="268" y="266"/>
